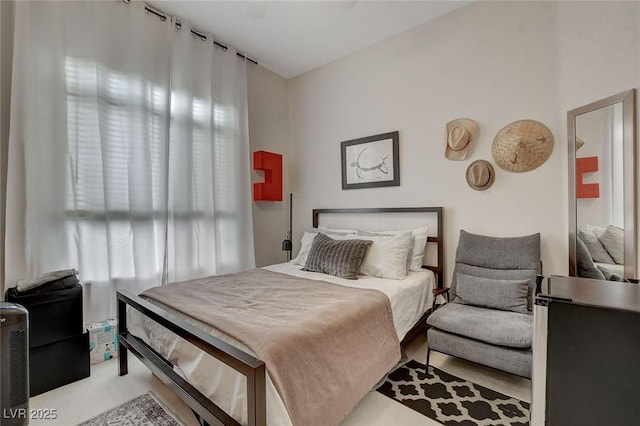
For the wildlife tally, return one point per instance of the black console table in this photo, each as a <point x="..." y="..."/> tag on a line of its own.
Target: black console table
<point x="586" y="353"/>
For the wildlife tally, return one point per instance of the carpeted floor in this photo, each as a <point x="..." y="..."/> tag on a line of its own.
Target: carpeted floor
<point x="145" y="410"/>
<point x="450" y="400"/>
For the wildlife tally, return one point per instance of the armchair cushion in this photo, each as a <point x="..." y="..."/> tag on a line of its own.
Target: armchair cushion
<point x="584" y="262"/>
<point x="613" y="241"/>
<point x="512" y="360"/>
<point x="608" y="275"/>
<point x="506" y="295"/>
<point x="504" y="328"/>
<point x="528" y="275"/>
<point x="594" y="247"/>
<point x="499" y="253"/>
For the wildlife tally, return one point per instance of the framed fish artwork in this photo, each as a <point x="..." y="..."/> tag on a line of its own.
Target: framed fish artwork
<point x="371" y="162"/>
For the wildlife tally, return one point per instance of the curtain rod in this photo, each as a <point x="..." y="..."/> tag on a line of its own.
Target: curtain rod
<point x="163" y="17"/>
<point x="203" y="37"/>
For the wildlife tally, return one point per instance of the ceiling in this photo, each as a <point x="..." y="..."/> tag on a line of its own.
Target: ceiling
<point x="292" y="37"/>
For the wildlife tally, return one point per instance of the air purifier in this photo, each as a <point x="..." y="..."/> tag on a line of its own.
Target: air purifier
<point x="14" y="368"/>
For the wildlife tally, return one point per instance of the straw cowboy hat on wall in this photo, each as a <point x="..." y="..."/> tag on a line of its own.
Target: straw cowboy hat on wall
<point x="480" y="175"/>
<point x="460" y="133"/>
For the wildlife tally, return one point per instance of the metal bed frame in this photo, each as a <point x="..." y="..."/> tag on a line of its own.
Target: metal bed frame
<point x="252" y="368"/>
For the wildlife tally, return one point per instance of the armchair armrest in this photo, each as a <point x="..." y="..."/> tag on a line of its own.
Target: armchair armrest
<point x="539" y="279"/>
<point x="437" y="292"/>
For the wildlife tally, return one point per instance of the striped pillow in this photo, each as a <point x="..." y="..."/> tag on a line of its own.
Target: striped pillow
<point x="339" y="258"/>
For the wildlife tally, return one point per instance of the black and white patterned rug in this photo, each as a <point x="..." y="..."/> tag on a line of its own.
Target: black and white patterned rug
<point x="450" y="400"/>
<point x="145" y="410"/>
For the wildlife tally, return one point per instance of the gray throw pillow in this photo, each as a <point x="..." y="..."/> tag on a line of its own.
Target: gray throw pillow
<point x="341" y="258"/>
<point x="497" y="274"/>
<point x="613" y="241"/>
<point x="595" y="247"/>
<point x="505" y="295"/>
<point x="586" y="267"/>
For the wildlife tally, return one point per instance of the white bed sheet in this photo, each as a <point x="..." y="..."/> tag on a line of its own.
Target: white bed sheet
<point x="409" y="299"/>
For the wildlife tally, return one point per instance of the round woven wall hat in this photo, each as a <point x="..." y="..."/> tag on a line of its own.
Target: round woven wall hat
<point x="480" y="175"/>
<point x="460" y="133"/>
<point x="522" y="145"/>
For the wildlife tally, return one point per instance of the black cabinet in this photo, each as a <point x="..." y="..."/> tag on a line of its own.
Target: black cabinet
<point x="59" y="363"/>
<point x="58" y="348"/>
<point x="586" y="352"/>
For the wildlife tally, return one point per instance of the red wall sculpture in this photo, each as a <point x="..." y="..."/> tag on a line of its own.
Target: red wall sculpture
<point x="271" y="188"/>
<point x="586" y="190"/>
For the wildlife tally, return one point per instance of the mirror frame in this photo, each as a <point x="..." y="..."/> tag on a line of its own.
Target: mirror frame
<point x="628" y="99"/>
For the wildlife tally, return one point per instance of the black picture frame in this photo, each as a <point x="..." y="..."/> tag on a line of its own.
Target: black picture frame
<point x="366" y="162"/>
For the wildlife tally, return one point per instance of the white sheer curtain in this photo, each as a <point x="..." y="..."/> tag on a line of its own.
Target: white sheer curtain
<point x="210" y="226"/>
<point x="135" y="142"/>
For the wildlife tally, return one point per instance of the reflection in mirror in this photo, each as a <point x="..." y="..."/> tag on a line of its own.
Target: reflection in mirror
<point x="599" y="190"/>
<point x="602" y="216"/>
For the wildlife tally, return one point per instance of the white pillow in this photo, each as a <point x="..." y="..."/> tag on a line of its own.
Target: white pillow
<point x="386" y="257"/>
<point x="307" y="241"/>
<point x="419" y="244"/>
<point x="375" y="234"/>
<point x="305" y="247"/>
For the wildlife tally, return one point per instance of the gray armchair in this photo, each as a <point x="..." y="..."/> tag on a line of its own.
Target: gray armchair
<point x="489" y="318"/>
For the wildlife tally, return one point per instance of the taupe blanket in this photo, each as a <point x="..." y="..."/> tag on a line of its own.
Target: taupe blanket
<point x="324" y="345"/>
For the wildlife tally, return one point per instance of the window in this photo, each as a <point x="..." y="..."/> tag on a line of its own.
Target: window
<point x="125" y="179"/>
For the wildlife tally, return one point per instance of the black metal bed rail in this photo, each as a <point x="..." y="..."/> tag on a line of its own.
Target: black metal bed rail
<point x="252" y="368"/>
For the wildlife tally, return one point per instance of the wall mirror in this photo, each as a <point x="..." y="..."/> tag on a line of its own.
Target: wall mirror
<point x="602" y="188"/>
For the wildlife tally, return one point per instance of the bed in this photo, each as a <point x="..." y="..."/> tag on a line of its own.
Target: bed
<point x="231" y="385"/>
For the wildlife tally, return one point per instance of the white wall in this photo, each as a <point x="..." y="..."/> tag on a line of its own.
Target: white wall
<point x="6" y="52"/>
<point x="269" y="131"/>
<point x="599" y="55"/>
<point x="495" y="62"/>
